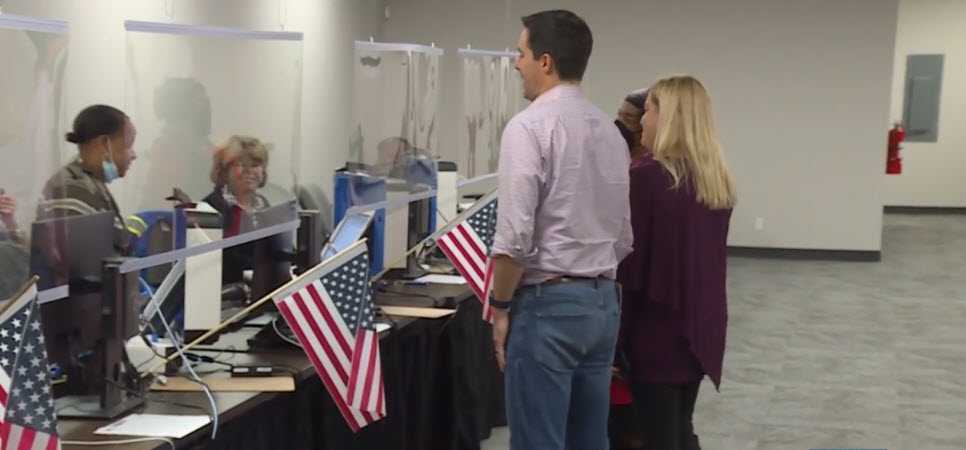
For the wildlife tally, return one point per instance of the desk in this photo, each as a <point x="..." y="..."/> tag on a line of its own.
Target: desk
<point x="443" y="391"/>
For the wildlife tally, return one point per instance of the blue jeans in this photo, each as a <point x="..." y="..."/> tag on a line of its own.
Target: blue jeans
<point x="559" y="356"/>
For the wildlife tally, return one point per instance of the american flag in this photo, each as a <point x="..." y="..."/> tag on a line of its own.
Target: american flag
<point x="26" y="403"/>
<point x="330" y="311"/>
<point x="466" y="243"/>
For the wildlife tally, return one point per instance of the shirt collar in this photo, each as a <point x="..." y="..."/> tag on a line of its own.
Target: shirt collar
<point x="560" y="91"/>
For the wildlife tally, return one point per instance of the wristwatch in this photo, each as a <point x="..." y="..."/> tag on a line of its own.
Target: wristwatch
<point x="500" y="304"/>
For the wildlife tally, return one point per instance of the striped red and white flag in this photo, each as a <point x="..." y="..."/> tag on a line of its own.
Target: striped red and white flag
<point x="330" y="311"/>
<point x="466" y="243"/>
<point x="27" y="418"/>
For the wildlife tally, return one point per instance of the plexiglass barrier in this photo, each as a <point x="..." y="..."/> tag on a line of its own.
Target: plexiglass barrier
<point x="34" y="57"/>
<point x="218" y="116"/>
<point x="492" y="95"/>
<point x="395" y="104"/>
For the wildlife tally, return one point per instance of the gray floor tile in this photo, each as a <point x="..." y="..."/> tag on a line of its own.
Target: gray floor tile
<point x="844" y="355"/>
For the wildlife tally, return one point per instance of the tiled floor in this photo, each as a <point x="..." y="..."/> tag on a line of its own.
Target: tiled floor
<point x="845" y="355"/>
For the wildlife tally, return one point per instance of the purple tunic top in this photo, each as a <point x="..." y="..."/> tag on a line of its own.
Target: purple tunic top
<point x="675" y="298"/>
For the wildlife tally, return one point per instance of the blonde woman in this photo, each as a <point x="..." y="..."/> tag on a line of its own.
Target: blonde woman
<point x="239" y="170"/>
<point x="675" y="303"/>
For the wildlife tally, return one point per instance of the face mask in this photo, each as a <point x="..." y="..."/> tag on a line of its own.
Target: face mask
<point x="108" y="167"/>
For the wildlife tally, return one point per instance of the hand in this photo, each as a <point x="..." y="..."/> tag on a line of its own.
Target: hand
<point x="8" y="206"/>
<point x="501" y="328"/>
<point x="616" y="372"/>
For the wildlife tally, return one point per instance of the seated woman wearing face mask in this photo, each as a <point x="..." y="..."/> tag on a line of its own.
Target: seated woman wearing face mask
<point x="105" y="139"/>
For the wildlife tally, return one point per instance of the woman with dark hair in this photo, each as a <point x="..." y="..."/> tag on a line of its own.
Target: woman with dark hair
<point x="629" y="121"/>
<point x="623" y="425"/>
<point x="105" y="139"/>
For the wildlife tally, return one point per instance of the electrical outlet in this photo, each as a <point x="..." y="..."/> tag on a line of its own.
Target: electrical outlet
<point x="759" y="223"/>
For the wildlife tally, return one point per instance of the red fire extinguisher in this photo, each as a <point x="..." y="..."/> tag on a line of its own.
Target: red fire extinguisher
<point x="893" y="161"/>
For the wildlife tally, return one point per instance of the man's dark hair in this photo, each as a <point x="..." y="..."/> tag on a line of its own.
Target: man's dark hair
<point x="565" y="37"/>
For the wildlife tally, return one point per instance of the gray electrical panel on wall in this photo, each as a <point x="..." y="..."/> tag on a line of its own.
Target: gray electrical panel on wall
<point x="924" y="80"/>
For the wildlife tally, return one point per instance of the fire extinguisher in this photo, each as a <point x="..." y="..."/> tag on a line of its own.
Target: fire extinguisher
<point x="893" y="161"/>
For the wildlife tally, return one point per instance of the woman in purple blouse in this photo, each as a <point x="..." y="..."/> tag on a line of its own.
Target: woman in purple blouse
<point x="675" y="300"/>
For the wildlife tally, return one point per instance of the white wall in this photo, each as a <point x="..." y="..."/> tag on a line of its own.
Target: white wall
<point x="934" y="174"/>
<point x="801" y="91"/>
<point x="96" y="70"/>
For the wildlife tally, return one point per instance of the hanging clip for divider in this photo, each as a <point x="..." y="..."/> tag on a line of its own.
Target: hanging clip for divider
<point x="169" y="10"/>
<point x="282" y="12"/>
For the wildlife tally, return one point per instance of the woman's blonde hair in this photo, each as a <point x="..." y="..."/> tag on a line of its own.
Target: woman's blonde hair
<point x="238" y="149"/>
<point x="686" y="141"/>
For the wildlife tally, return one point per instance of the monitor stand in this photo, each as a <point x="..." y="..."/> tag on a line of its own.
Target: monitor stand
<point x="413" y="269"/>
<point x="117" y="386"/>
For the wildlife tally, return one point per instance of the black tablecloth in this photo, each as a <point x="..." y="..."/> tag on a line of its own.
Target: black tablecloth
<point x="443" y="391"/>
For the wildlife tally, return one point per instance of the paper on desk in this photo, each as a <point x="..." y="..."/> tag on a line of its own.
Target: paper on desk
<point x="423" y="313"/>
<point x="222" y="382"/>
<point x="441" y="279"/>
<point x="154" y="425"/>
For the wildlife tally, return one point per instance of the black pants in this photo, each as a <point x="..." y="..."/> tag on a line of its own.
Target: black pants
<point x="666" y="411"/>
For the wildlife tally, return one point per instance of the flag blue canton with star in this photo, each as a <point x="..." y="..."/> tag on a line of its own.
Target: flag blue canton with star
<point x="31" y="403"/>
<point x="10" y="337"/>
<point x="348" y="285"/>
<point x="484" y="223"/>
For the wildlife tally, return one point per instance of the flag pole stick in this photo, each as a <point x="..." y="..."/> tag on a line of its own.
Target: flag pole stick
<point x="245" y="311"/>
<point x="10" y="301"/>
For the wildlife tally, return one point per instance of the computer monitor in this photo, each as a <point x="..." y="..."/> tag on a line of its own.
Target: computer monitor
<point x="422" y="176"/>
<point x="273" y="255"/>
<point x="69" y="251"/>
<point x="309" y="240"/>
<point x="353" y="189"/>
<point x="84" y="331"/>
<point x="421" y="225"/>
<point x="352" y="228"/>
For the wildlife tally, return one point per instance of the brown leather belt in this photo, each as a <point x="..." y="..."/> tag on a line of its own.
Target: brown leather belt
<point x="571" y="279"/>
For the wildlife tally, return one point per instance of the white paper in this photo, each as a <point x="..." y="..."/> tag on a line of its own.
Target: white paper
<point x="154" y="425"/>
<point x="441" y="279"/>
<point x="263" y="319"/>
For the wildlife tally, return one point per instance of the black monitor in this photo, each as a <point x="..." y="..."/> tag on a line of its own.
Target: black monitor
<point x="269" y="258"/>
<point x="85" y="330"/>
<point x="273" y="255"/>
<point x="272" y="264"/>
<point x="421" y="176"/>
<point x="309" y="239"/>
<point x="420" y="227"/>
<point x="69" y="251"/>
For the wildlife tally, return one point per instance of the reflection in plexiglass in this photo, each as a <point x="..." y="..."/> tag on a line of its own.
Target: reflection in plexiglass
<point x="492" y="94"/>
<point x="395" y="101"/>
<point x="218" y="117"/>
<point x="31" y="123"/>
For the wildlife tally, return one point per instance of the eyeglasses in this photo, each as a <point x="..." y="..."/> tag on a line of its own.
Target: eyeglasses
<point x="249" y="165"/>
